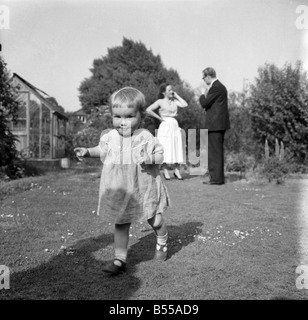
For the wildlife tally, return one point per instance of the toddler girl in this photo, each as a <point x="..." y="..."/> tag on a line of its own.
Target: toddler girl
<point x="131" y="187"/>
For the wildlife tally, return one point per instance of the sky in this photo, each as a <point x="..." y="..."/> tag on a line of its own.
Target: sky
<point x="52" y="43"/>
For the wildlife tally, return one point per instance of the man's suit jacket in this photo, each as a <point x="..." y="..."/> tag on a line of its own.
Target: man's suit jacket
<point x="216" y="105"/>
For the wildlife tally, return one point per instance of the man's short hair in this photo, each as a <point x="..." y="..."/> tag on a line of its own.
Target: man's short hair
<point x="209" y="72"/>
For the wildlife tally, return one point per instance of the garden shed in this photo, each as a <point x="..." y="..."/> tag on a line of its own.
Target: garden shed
<point x="81" y="115"/>
<point x="41" y="126"/>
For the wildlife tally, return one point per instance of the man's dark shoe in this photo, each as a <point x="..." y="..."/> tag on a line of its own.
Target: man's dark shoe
<point x="213" y="183"/>
<point x="114" y="269"/>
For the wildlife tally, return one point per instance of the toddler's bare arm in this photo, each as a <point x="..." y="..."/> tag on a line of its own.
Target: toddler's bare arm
<point x="94" y="152"/>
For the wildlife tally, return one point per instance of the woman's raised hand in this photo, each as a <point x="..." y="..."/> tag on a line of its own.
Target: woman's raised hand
<point x="175" y="95"/>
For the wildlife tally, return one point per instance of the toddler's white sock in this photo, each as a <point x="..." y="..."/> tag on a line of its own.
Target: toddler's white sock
<point x="120" y="254"/>
<point x="162" y="241"/>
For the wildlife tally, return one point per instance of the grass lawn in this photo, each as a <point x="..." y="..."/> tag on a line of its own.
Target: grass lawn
<point x="236" y="241"/>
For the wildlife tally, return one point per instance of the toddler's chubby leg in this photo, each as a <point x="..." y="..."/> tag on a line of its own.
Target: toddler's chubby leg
<point x="160" y="228"/>
<point x="121" y="238"/>
<point x="158" y="224"/>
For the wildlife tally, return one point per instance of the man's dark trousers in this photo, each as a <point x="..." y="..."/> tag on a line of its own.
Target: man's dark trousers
<point x="216" y="156"/>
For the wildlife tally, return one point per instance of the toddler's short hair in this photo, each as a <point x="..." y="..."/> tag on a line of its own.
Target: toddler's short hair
<point x="128" y="97"/>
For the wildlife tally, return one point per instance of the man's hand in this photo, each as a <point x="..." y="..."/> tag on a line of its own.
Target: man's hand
<point x="206" y="90"/>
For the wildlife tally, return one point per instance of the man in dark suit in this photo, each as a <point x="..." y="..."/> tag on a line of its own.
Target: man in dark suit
<point x="215" y="103"/>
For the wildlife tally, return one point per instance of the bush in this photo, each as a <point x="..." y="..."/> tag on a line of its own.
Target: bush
<point x="69" y="147"/>
<point x="14" y="170"/>
<point x="298" y="168"/>
<point x="278" y="108"/>
<point x="18" y="168"/>
<point x="239" y="162"/>
<point x="8" y="110"/>
<point x="275" y="169"/>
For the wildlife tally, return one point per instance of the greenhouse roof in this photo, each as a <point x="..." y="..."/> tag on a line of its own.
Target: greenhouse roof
<point x="42" y="96"/>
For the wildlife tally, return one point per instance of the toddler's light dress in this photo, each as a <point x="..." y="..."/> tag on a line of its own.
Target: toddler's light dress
<point x="130" y="192"/>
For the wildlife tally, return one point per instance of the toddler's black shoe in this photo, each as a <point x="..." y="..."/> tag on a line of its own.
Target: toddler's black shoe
<point x="161" y="253"/>
<point x="114" y="269"/>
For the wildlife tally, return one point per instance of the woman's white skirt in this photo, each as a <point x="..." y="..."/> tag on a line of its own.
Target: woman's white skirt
<point x="170" y="136"/>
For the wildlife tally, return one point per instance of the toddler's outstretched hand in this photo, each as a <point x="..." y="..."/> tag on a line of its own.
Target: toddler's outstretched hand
<point x="80" y="153"/>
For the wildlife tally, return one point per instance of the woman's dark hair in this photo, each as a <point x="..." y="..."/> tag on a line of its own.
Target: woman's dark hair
<point x="162" y="90"/>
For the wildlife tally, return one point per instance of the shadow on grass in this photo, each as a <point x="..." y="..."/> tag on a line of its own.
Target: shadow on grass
<point x="76" y="273"/>
<point x="179" y="237"/>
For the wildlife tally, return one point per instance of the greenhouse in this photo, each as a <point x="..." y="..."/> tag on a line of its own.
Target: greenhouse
<point x="41" y="125"/>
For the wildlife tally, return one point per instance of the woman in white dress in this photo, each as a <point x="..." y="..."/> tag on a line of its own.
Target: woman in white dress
<point x="169" y="132"/>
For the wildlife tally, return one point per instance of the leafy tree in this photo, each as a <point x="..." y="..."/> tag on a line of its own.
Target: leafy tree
<point x="53" y="101"/>
<point x="8" y="111"/>
<point x="132" y="64"/>
<point x="239" y="138"/>
<point x="279" y="108"/>
<point x="74" y="123"/>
